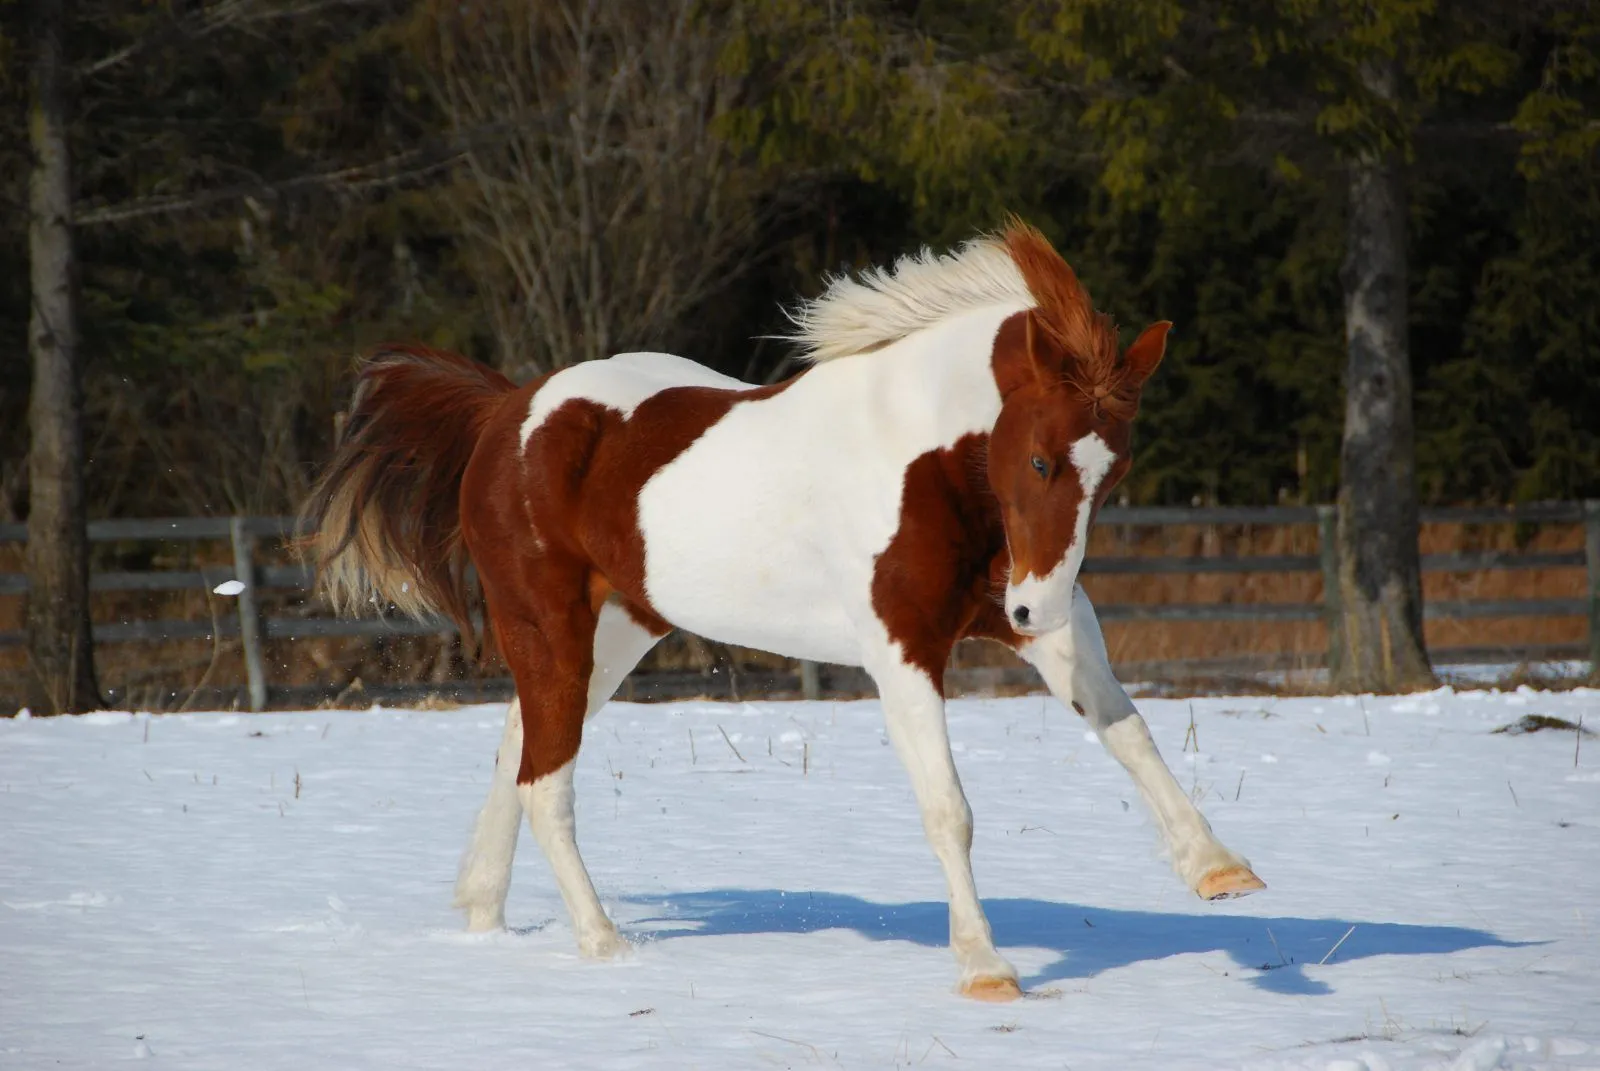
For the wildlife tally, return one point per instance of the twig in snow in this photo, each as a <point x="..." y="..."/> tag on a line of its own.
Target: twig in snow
<point x="731" y="748"/>
<point x="304" y="992"/>
<point x="1514" y="795"/>
<point x="1193" y="733"/>
<point x="818" y="1053"/>
<point x="692" y="758"/>
<point x="1577" y="742"/>
<point x="297" y="783"/>
<point x="1335" y="947"/>
<point x="1364" y="720"/>
<point x="1275" y="947"/>
<point x="1240" y="788"/>
<point x="805" y="758"/>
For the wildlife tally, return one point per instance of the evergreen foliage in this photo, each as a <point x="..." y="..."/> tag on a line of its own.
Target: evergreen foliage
<point x="265" y="188"/>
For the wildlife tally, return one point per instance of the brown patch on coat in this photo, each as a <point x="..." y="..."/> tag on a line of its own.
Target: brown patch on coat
<point x="600" y="590"/>
<point x="554" y="532"/>
<point x="932" y="584"/>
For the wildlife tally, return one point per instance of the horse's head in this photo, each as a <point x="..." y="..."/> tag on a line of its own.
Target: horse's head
<point x="1060" y="445"/>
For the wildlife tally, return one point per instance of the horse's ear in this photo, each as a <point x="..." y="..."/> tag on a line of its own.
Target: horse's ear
<point x="1045" y="356"/>
<point x="1146" y="352"/>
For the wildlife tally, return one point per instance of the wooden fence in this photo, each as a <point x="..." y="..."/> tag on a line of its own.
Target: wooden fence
<point x="251" y="626"/>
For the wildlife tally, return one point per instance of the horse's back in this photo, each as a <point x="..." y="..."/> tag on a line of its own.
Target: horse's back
<point x="623" y="383"/>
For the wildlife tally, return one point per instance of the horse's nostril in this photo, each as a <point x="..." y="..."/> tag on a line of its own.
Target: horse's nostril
<point x="1020" y="614"/>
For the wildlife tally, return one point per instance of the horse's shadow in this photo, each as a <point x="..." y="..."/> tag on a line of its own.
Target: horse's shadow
<point x="1087" y="940"/>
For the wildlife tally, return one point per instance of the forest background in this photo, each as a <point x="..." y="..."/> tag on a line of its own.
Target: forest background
<point x="260" y="190"/>
<point x="264" y="188"/>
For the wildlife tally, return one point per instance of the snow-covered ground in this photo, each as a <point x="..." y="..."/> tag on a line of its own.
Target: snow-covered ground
<point x="272" y="891"/>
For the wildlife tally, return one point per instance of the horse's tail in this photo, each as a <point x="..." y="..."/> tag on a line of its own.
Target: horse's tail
<point x="385" y="517"/>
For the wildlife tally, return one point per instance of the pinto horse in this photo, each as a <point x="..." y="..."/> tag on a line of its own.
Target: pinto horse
<point x="931" y="476"/>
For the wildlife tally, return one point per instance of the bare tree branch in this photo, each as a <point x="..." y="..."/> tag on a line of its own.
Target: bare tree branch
<point x="603" y="230"/>
<point x="207" y="20"/>
<point x="394" y="170"/>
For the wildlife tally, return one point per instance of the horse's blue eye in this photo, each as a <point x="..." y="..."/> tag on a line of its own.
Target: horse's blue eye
<point x="1039" y="466"/>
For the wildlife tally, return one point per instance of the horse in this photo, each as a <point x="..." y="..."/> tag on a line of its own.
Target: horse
<point x="930" y="475"/>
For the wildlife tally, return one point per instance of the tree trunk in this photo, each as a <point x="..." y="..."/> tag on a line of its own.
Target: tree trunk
<point x="59" y="642"/>
<point x="1379" y="567"/>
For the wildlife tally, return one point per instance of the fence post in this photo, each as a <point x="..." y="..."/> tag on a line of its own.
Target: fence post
<point x="1332" y="606"/>
<point x="244" y="571"/>
<point x="810" y="680"/>
<point x="1591" y="555"/>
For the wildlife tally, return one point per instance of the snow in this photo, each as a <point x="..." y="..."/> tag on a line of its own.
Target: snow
<point x="272" y="891"/>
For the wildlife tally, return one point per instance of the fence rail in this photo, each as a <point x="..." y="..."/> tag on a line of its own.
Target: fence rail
<point x="249" y="624"/>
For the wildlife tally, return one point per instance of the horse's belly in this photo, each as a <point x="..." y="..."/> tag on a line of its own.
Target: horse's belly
<point x="780" y="601"/>
<point x="743" y="544"/>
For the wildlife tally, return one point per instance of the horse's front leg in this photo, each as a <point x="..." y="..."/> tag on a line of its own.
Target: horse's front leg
<point x="913" y="708"/>
<point x="1074" y="665"/>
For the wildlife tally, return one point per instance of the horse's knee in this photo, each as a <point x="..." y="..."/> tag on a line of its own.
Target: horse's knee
<point x="948" y="821"/>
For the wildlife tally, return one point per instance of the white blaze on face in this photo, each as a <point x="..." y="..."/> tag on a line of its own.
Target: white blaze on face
<point x="1048" y="598"/>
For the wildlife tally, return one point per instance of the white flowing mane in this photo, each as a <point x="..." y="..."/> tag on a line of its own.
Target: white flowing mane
<point x="863" y="313"/>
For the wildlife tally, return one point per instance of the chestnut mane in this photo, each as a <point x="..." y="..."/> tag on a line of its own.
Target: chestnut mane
<point x="1062" y="308"/>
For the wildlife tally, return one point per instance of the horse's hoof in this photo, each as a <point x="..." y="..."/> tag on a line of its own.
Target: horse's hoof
<point x="993" y="989"/>
<point x="604" y="946"/>
<point x="1229" y="882"/>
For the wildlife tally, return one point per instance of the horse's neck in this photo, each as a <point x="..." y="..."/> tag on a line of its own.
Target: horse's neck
<point x="940" y="380"/>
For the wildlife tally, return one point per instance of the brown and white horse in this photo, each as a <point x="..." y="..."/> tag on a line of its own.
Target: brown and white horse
<point x="931" y="476"/>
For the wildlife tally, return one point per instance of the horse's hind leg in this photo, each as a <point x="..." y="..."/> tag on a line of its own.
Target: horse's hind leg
<point x="615" y="644"/>
<point x="568" y="655"/>
<point x="1074" y="665"/>
<point x="620" y="641"/>
<point x="485" y="873"/>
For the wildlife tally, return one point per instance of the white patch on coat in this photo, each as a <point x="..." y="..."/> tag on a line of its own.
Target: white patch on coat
<point x="621" y="383"/>
<point x="619" y="643"/>
<point x="1049" y="597"/>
